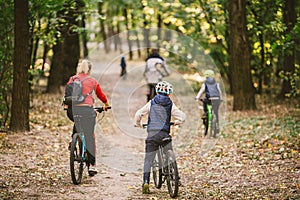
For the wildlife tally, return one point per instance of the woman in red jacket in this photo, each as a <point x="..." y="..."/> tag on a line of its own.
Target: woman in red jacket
<point x="86" y="110"/>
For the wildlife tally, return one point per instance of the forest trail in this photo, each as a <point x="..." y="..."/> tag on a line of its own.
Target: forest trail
<point x="255" y="157"/>
<point x="120" y="146"/>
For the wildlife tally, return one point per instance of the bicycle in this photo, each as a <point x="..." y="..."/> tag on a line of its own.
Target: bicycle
<point x="164" y="168"/>
<point x="78" y="153"/>
<point x="210" y="121"/>
<point x="152" y="92"/>
<point x="153" y="76"/>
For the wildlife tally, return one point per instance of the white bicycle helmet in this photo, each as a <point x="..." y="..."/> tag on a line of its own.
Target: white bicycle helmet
<point x="209" y="73"/>
<point x="164" y="87"/>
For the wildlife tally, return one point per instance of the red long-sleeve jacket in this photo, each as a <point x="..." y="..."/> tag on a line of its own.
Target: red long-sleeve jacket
<point x="89" y="85"/>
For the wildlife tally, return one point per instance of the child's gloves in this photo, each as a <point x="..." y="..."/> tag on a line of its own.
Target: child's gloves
<point x="138" y="125"/>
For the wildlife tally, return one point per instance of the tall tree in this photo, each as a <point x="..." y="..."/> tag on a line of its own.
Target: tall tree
<point x="125" y="14"/>
<point x="242" y="87"/>
<point x="102" y="26"/>
<point x="84" y="37"/>
<point x="20" y="96"/>
<point x="66" y="51"/>
<point x="289" y="18"/>
<point x="71" y="39"/>
<point x="56" y="75"/>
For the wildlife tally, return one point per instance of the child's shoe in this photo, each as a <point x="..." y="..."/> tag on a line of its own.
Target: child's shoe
<point x="146" y="189"/>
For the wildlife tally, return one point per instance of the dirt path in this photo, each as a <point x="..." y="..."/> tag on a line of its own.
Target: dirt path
<point x="256" y="156"/>
<point x="44" y="171"/>
<point x="120" y="145"/>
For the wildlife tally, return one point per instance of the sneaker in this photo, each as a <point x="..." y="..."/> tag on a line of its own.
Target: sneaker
<point x="93" y="170"/>
<point x="146" y="189"/>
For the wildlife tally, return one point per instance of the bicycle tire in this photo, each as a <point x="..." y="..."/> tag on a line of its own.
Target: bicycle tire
<point x="210" y="128"/>
<point x="173" y="176"/>
<point x="214" y="126"/>
<point x="205" y="122"/>
<point x="76" y="162"/>
<point x="157" y="170"/>
<point x="152" y="92"/>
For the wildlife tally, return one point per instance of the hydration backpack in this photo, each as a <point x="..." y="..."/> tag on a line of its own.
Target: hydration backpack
<point x="211" y="88"/>
<point x="73" y="92"/>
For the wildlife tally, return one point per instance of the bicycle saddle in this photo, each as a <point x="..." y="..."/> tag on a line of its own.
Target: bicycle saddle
<point x="167" y="139"/>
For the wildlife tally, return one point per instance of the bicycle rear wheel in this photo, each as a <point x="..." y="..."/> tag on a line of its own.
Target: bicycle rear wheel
<point x="214" y="126"/>
<point x="157" y="170"/>
<point x="210" y="128"/>
<point x="205" y="122"/>
<point x="152" y="92"/>
<point x="76" y="162"/>
<point x="173" y="177"/>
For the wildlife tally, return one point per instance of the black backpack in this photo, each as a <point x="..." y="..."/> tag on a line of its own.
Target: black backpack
<point x="73" y="92"/>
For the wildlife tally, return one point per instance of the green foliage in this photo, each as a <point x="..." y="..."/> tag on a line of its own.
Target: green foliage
<point x="292" y="126"/>
<point x="294" y="79"/>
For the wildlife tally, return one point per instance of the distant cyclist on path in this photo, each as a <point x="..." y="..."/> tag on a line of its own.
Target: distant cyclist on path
<point x="155" y="70"/>
<point x="212" y="92"/>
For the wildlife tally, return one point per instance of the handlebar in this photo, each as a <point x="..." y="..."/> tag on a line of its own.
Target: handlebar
<point x="98" y="109"/>
<point x="212" y="98"/>
<point x="171" y="123"/>
<point x="101" y="109"/>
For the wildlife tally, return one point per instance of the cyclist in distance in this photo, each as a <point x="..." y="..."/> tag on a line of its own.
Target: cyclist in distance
<point x="160" y="110"/>
<point x="85" y="109"/>
<point x="155" y="70"/>
<point x="212" y="91"/>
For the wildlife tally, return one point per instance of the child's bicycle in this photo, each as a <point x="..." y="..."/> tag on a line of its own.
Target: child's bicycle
<point x="211" y="125"/>
<point x="164" y="168"/>
<point x="78" y="153"/>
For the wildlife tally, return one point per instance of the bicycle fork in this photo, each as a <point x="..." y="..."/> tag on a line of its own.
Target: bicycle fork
<point x="81" y="135"/>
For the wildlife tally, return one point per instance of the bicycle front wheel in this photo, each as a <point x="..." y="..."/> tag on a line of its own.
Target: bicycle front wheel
<point x="76" y="162"/>
<point x="173" y="176"/>
<point x="157" y="170"/>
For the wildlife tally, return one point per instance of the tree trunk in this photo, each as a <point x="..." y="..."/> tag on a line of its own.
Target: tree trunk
<point x="243" y="90"/>
<point x="138" y="44"/>
<point x="67" y="48"/>
<point x="84" y="38"/>
<point x="46" y="46"/>
<point x="35" y="45"/>
<point x="20" y="95"/>
<point x="72" y="54"/>
<point x="102" y="28"/>
<point x="146" y="32"/>
<point x="125" y="14"/>
<point x="159" y="24"/>
<point x="71" y="43"/>
<point x="118" y="37"/>
<point x="54" y="81"/>
<point x="289" y="18"/>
